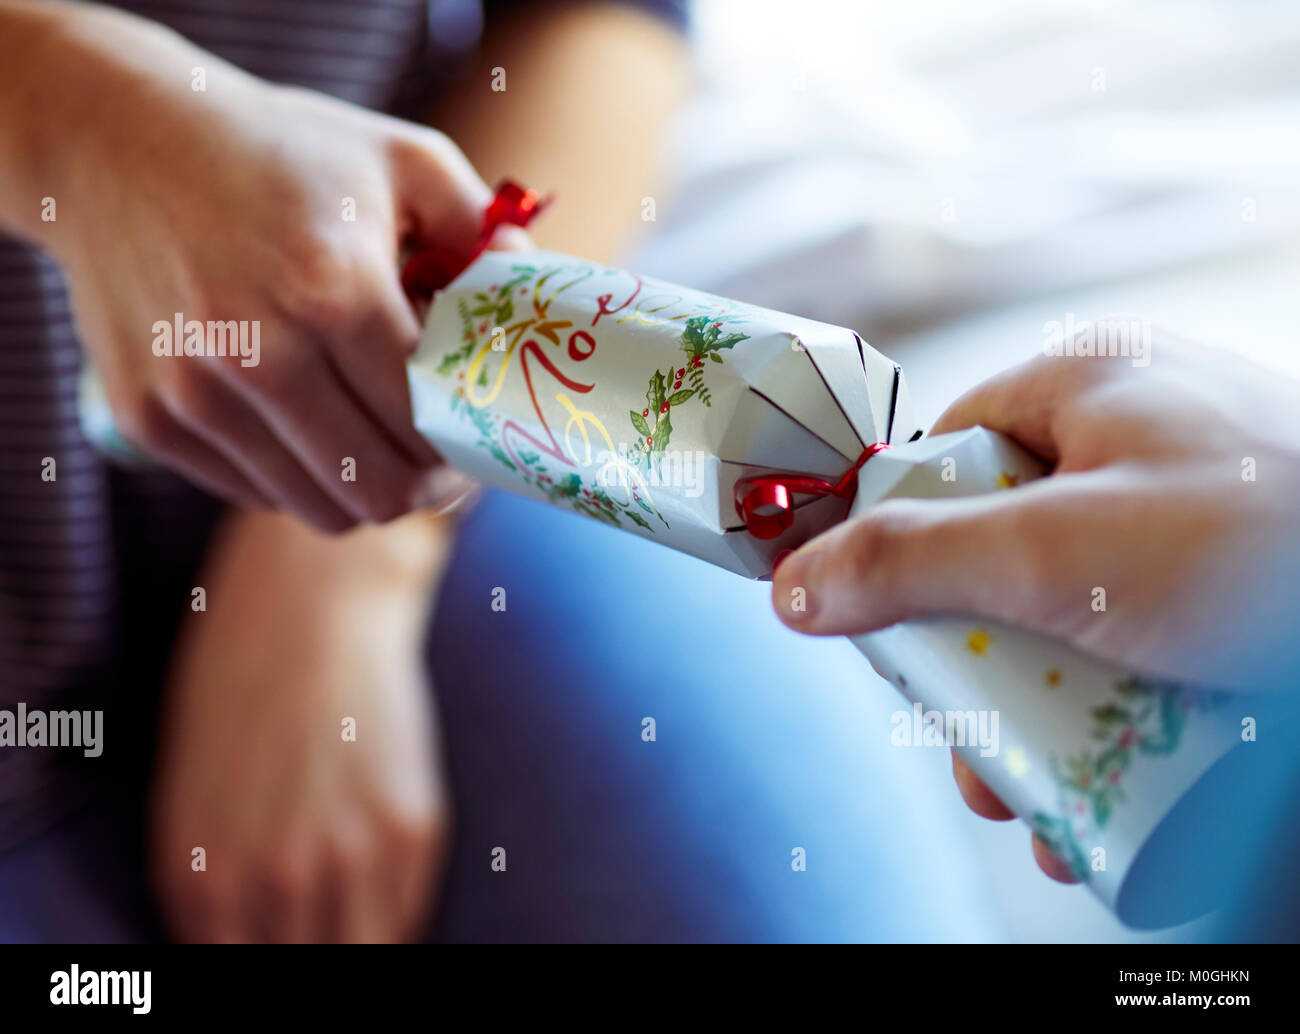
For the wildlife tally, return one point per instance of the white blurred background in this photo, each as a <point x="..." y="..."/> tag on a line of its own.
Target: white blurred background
<point x="947" y="176"/>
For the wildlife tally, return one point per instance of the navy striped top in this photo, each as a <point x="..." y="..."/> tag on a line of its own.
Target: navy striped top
<point x="96" y="564"/>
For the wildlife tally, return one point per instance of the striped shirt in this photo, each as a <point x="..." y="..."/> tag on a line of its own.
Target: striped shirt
<point x="96" y="562"/>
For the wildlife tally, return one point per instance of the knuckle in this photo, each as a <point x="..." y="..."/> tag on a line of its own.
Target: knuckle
<point x="145" y="422"/>
<point x="421" y="143"/>
<point x="1033" y="570"/>
<point x="315" y="287"/>
<point x="348" y="856"/>
<point x="193" y="398"/>
<point x="416" y="832"/>
<point x="279" y="379"/>
<point x="871" y="569"/>
<point x="875" y="540"/>
<point x="284" y="876"/>
<point x="196" y="894"/>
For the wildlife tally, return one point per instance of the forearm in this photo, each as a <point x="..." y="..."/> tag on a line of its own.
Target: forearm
<point x="589" y="88"/>
<point x="72" y="76"/>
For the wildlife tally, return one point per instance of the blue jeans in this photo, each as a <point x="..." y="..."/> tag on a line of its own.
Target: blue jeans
<point x="767" y="746"/>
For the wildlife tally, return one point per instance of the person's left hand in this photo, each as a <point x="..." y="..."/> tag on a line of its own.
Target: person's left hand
<point x="308" y="834"/>
<point x="1149" y="498"/>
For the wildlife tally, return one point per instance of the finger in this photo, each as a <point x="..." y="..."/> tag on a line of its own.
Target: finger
<point x="1050" y="864"/>
<point x="156" y="431"/>
<point x="410" y="899"/>
<point x="448" y="491"/>
<point x="510" y="238"/>
<point x="278" y="902"/>
<point x="439" y="198"/>
<point x="416" y="872"/>
<point x="352" y="902"/>
<point x="1025" y="401"/>
<point x="200" y="912"/>
<point x="345" y="452"/>
<point x="978" y="797"/>
<point x="1019" y="402"/>
<point x="370" y="360"/>
<point x="994" y="555"/>
<point x="233" y="428"/>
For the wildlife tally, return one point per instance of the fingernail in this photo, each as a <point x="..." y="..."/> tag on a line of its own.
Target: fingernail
<point x="796" y="604"/>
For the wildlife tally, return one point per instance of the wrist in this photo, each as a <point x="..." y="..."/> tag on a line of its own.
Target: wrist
<point x="393" y="567"/>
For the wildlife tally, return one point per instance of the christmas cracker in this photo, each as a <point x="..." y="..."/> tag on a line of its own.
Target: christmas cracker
<point x="642" y="405"/>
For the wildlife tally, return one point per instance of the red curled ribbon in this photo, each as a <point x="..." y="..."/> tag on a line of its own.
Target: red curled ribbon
<point x="778" y="490"/>
<point x="434" y="268"/>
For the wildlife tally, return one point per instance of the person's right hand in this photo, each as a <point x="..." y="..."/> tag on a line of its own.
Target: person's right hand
<point x="235" y="203"/>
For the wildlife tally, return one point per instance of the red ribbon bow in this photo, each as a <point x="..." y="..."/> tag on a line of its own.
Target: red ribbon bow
<point x="434" y="268"/>
<point x="778" y="490"/>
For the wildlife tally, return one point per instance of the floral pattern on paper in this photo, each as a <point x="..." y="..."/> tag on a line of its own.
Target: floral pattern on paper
<point x="1146" y="718"/>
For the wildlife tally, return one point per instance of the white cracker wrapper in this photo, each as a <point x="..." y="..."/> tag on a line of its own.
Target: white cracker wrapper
<point x="546" y="375"/>
<point x="530" y="376"/>
<point x="1092" y="757"/>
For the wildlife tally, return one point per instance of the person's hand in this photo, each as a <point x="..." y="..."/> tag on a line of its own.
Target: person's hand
<point x="245" y="201"/>
<point x="309" y="833"/>
<point x="1175" y="490"/>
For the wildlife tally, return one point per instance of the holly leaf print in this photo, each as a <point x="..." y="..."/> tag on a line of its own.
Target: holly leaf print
<point x="678" y="397"/>
<point x="525" y="273"/>
<point x="499" y="453"/>
<point x="569" y="485"/>
<point x="662" y="433"/>
<point x="656" y="394"/>
<point x="638" y="421"/>
<point x="639" y="519"/>
<point x="451" y="360"/>
<point x="702" y="335"/>
<point x="482" y="420"/>
<point x="596" y="512"/>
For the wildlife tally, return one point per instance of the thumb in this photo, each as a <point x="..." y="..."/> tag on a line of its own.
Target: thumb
<point x="988" y="555"/>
